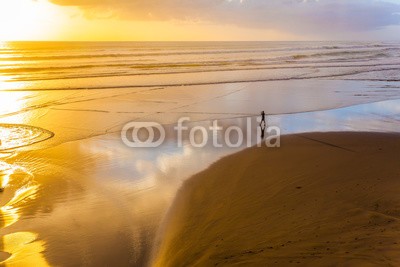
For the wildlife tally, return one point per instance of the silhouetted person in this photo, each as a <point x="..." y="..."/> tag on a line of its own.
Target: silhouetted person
<point x="262" y="117"/>
<point x="263" y="124"/>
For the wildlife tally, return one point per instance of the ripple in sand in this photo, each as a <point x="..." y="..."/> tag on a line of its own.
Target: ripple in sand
<point x="14" y="136"/>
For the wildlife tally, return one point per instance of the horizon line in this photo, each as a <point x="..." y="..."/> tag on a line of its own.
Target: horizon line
<point x="189" y="41"/>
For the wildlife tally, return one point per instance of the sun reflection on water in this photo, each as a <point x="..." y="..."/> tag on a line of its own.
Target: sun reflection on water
<point x="7" y="83"/>
<point x="9" y="211"/>
<point x="11" y="104"/>
<point x="21" y="246"/>
<point x="4" y="45"/>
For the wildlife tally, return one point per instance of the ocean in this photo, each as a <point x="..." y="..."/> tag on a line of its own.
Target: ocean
<point x="91" y="65"/>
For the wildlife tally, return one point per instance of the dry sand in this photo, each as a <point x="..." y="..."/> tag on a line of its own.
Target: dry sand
<point x="322" y="199"/>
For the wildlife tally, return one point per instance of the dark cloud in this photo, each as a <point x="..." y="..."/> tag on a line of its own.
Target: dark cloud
<point x="322" y="16"/>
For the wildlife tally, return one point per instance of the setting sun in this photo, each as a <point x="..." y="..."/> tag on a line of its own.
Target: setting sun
<point x="27" y="20"/>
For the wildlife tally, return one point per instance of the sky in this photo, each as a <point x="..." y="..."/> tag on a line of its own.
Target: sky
<point x="199" y="20"/>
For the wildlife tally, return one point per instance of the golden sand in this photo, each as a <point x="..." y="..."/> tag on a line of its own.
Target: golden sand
<point x="323" y="199"/>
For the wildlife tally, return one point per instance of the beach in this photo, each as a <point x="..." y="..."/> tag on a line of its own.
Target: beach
<point x="321" y="199"/>
<point x="74" y="194"/>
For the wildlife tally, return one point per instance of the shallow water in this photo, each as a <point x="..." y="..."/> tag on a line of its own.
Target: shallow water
<point x="76" y="195"/>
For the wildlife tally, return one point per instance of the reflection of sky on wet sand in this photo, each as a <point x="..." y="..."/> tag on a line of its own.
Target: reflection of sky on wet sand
<point x="146" y="163"/>
<point x="97" y="192"/>
<point x="381" y="116"/>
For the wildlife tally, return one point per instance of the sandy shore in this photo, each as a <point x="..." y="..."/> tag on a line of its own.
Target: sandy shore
<point x="322" y="199"/>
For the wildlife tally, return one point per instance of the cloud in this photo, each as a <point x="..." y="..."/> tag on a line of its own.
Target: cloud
<point x="298" y="16"/>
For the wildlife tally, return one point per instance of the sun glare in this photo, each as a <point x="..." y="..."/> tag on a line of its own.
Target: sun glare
<point x="27" y="19"/>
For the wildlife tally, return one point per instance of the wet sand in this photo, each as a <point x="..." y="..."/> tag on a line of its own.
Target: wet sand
<point x="61" y="193"/>
<point x="321" y="199"/>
